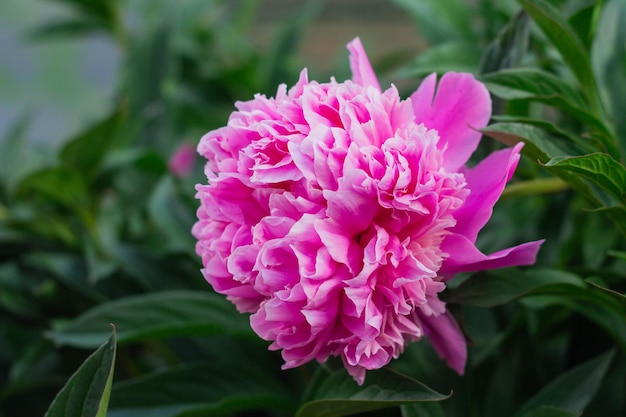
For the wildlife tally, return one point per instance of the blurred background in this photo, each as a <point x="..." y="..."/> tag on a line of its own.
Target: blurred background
<point x="63" y="81"/>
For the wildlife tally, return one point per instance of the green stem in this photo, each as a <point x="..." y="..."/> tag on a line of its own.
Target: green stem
<point x="534" y="187"/>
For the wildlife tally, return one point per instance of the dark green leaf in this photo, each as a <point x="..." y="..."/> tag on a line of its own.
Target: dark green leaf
<point x="85" y="152"/>
<point x="87" y="392"/>
<point x="157" y="315"/>
<point x="564" y="38"/>
<point x="548" y="411"/>
<point x="68" y="269"/>
<point x="422" y="409"/>
<point x="538" y="143"/>
<point x="339" y="395"/>
<point x="542" y="146"/>
<point x="492" y="288"/>
<point x="572" y="390"/>
<point x="67" y="28"/>
<point x="598" y="168"/>
<point x="202" y="389"/>
<point x="579" y="144"/>
<point x="509" y="47"/>
<point x="543" y="87"/>
<point x="605" y="309"/>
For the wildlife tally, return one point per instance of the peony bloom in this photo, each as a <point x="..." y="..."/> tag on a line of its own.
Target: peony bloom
<point x="336" y="212"/>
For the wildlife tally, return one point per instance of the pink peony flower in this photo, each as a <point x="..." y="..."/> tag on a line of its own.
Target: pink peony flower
<point x="336" y="212"/>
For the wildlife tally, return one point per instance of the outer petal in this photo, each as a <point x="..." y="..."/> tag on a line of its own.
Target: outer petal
<point x="465" y="257"/>
<point x="459" y="105"/>
<point x="362" y="72"/>
<point x="447" y="339"/>
<point x="486" y="182"/>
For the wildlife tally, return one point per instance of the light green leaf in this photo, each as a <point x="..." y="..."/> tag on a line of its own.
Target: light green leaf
<point x="572" y="390"/>
<point x="598" y="168"/>
<point x="157" y="315"/>
<point x="87" y="392"/>
<point x="564" y="38"/>
<point x="18" y="157"/>
<point x="440" y="20"/>
<point x="61" y="185"/>
<point x="339" y="395"/>
<point x="492" y="288"/>
<point x="608" y="59"/>
<point x="202" y="389"/>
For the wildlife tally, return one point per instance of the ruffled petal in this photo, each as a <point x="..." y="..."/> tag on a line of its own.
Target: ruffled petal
<point x="447" y="339"/>
<point x="465" y="257"/>
<point x="459" y="105"/>
<point x="362" y="72"/>
<point x="486" y="182"/>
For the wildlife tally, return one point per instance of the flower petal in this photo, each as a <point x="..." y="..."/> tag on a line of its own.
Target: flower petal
<point x="486" y="182"/>
<point x="459" y="105"/>
<point x="447" y="339"/>
<point x="362" y="72"/>
<point x="465" y="257"/>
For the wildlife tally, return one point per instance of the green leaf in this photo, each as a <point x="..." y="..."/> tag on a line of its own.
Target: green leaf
<point x="564" y="38"/>
<point x="202" y="389"/>
<point x="572" y="390"/>
<point x="422" y="409"/>
<point x="339" y="395"/>
<point x="539" y="144"/>
<point x="548" y="411"/>
<point x="492" y="288"/>
<point x="509" y="47"/>
<point x="543" y="87"/>
<point x="87" y="392"/>
<point x="171" y="215"/>
<point x="456" y="55"/>
<point x="67" y="28"/>
<point x="17" y="156"/>
<point x="85" y="152"/>
<point x="608" y="59"/>
<point x="61" y="185"/>
<point x="542" y="146"/>
<point x="598" y="168"/>
<point x="440" y="20"/>
<point x="157" y="315"/>
<point x="605" y="308"/>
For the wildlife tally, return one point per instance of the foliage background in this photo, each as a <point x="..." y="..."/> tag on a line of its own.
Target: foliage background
<point x="94" y="229"/>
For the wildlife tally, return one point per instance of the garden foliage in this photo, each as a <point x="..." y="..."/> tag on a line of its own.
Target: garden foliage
<point x="98" y="232"/>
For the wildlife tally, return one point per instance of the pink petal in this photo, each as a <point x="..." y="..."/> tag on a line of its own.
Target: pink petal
<point x="447" y="339"/>
<point x="486" y="182"/>
<point x="459" y="105"/>
<point x="465" y="257"/>
<point x="362" y="72"/>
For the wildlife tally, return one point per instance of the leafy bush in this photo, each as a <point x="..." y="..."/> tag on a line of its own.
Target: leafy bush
<point x="99" y="233"/>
